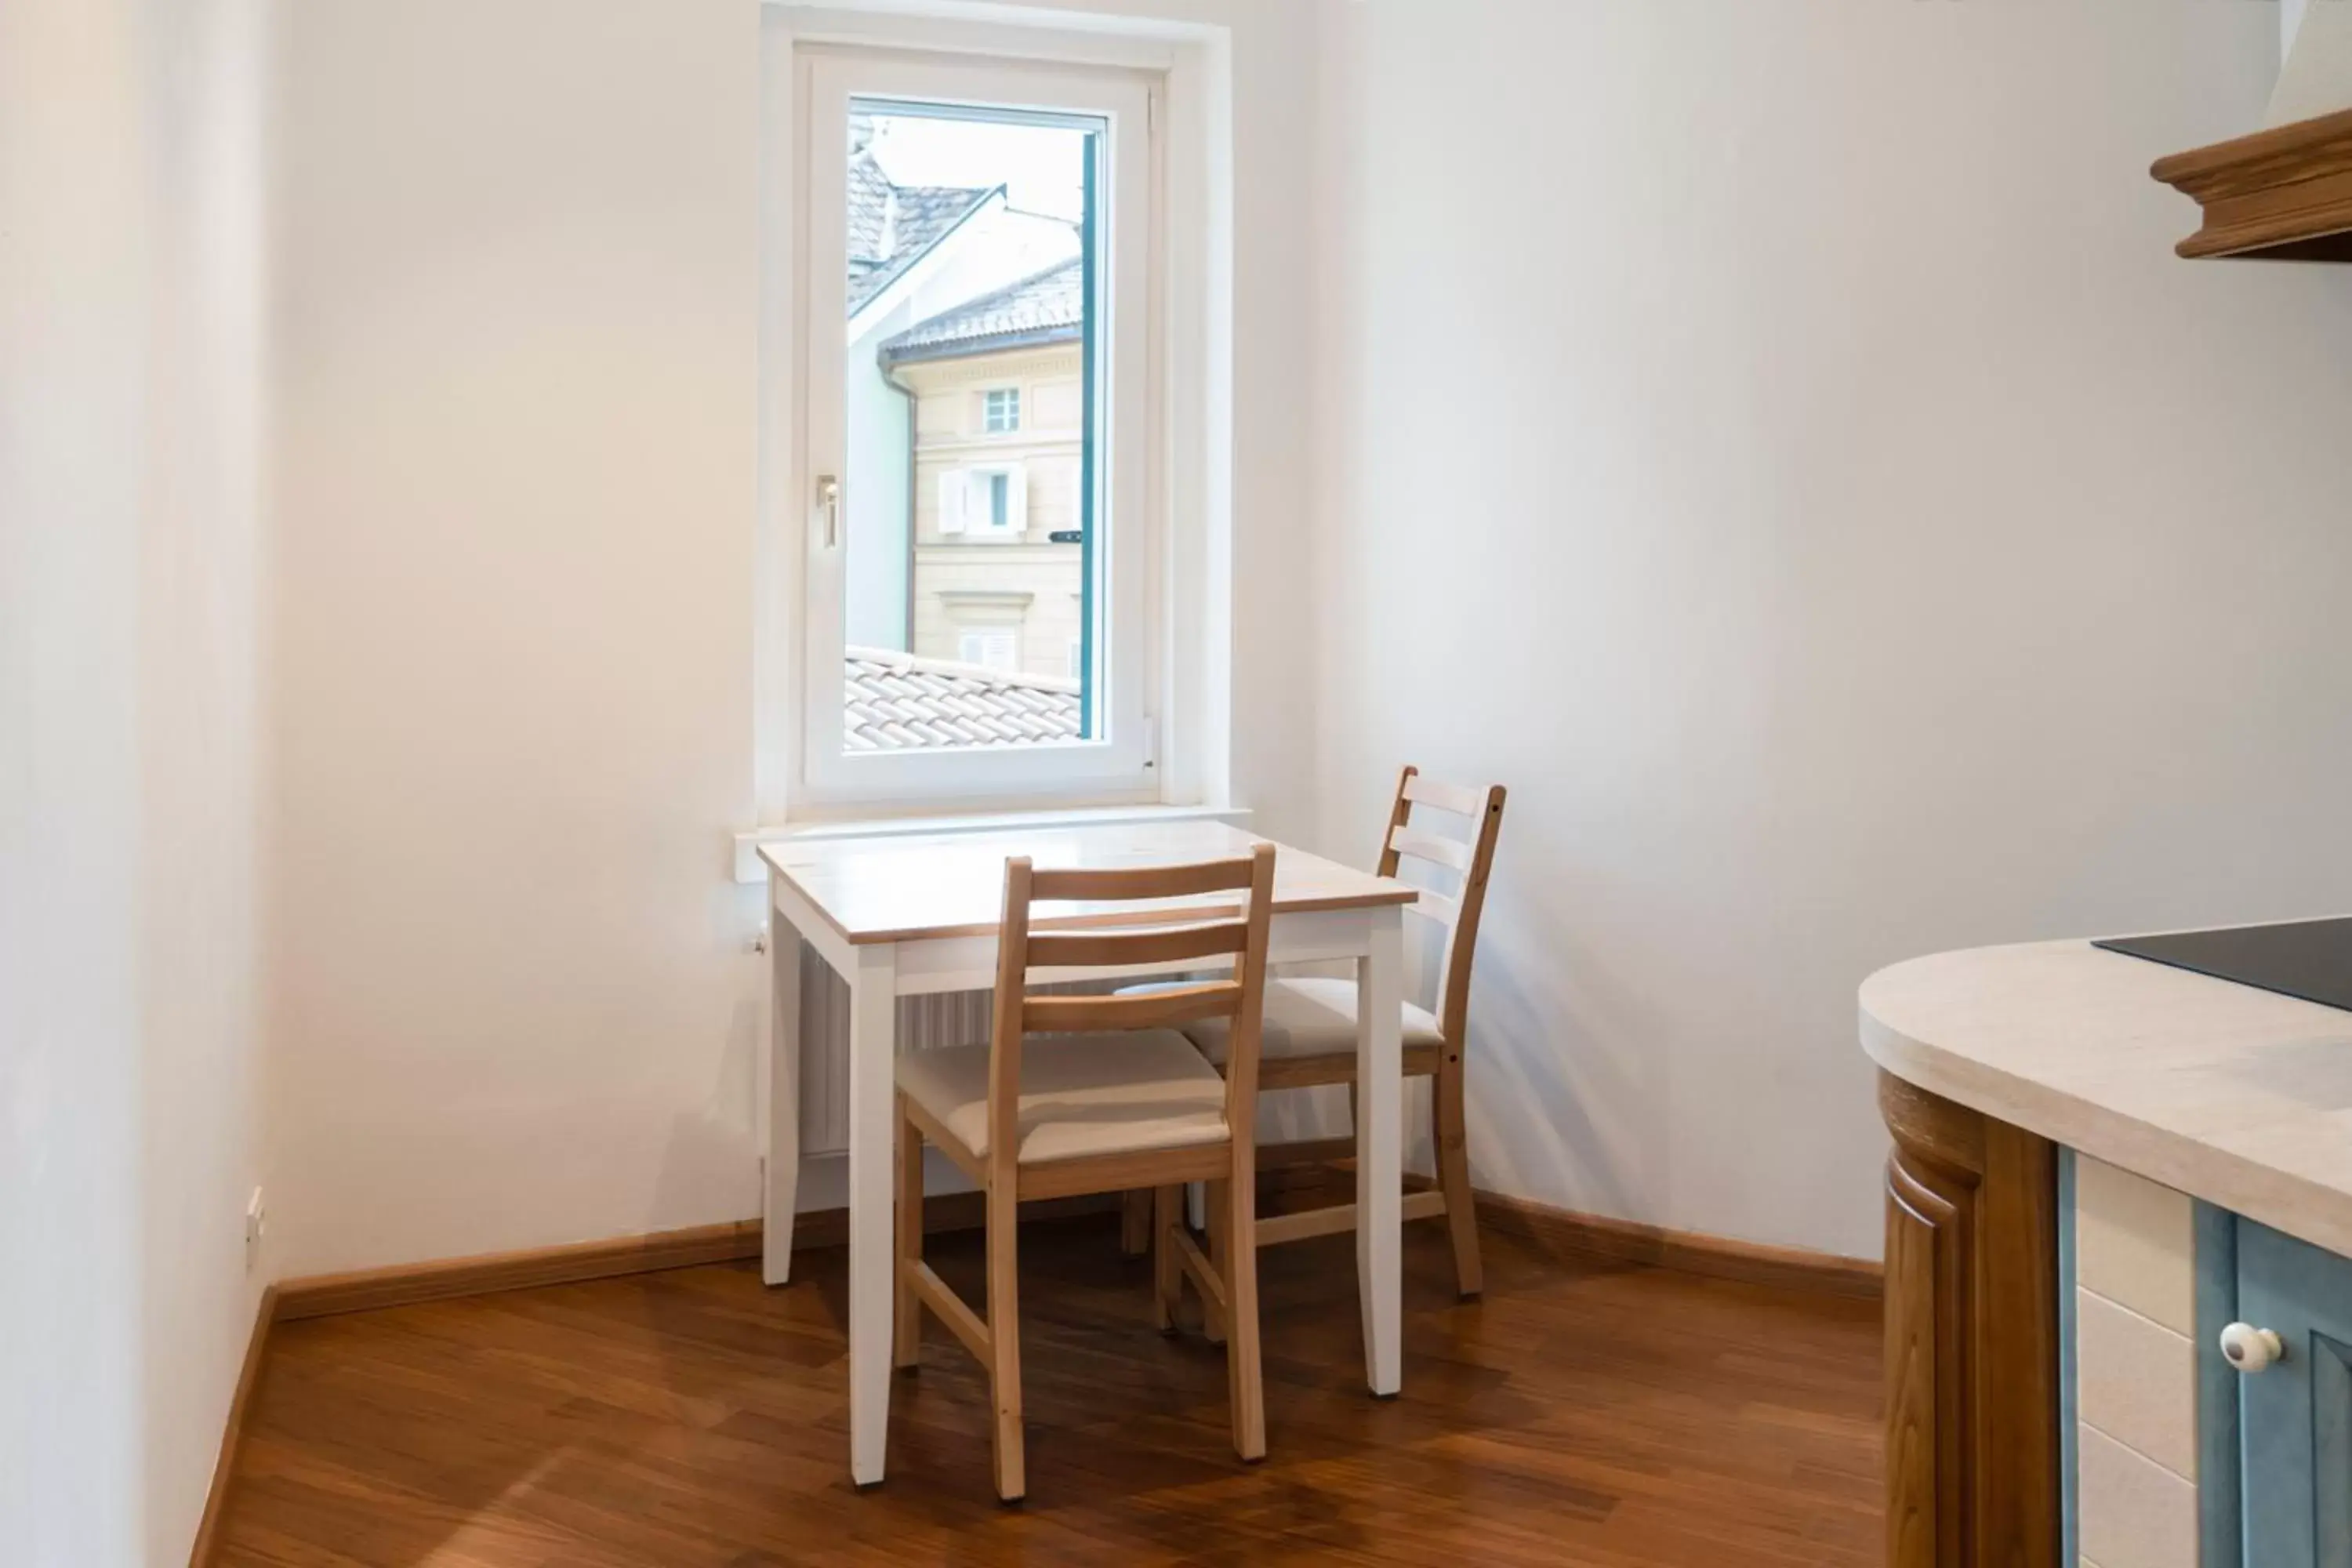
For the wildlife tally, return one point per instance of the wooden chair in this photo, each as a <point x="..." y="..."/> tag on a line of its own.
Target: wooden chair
<point x="1309" y="1030"/>
<point x="1076" y="1094"/>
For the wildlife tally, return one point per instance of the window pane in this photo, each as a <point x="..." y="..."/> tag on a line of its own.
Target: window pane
<point x="972" y="269"/>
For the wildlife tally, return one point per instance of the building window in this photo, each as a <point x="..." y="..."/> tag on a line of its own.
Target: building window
<point x="979" y="237"/>
<point x="989" y="503"/>
<point x="994" y="650"/>
<point x="1000" y="410"/>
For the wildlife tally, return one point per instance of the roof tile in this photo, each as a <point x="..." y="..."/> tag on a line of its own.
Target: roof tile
<point x="895" y="701"/>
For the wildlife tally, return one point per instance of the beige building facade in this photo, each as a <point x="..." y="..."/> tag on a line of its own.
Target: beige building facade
<point x="998" y="440"/>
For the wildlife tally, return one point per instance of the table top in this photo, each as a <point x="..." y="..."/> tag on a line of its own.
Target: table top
<point x="929" y="886"/>
<point x="2238" y="1096"/>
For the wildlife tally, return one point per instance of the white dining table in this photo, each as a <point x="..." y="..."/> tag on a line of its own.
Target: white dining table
<point x="917" y="915"/>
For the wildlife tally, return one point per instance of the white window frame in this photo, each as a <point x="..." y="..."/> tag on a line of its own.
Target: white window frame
<point x="1121" y="766"/>
<point x="989" y="403"/>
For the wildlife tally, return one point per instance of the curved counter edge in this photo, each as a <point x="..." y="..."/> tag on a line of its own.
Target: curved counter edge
<point x="2237" y="1095"/>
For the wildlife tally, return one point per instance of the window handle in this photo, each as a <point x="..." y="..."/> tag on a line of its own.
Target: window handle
<point x="828" y="496"/>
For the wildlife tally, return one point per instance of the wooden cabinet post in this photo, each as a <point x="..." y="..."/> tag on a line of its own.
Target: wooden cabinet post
<point x="1972" y="1396"/>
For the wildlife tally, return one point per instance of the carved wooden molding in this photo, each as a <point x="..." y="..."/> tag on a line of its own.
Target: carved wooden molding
<point x="1972" y="1448"/>
<point x="2284" y="193"/>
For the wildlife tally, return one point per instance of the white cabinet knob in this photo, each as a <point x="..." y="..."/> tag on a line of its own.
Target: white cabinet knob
<point x="2250" y="1349"/>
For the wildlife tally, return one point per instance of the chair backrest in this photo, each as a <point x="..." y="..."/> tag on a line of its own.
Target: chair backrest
<point x="1110" y="939"/>
<point x="1473" y="860"/>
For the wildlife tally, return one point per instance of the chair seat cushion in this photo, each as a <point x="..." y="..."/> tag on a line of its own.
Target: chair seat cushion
<point x="1081" y="1095"/>
<point x="1306" y="1017"/>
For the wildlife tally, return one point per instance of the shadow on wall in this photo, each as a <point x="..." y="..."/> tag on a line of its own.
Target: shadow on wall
<point x="1531" y="1132"/>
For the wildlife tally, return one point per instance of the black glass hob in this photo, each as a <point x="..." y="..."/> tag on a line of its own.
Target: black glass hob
<point x="2307" y="959"/>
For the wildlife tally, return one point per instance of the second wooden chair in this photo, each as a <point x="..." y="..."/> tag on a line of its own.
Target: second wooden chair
<point x="1309" y="1028"/>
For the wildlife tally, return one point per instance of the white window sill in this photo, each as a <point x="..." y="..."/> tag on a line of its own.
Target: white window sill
<point x="749" y="867"/>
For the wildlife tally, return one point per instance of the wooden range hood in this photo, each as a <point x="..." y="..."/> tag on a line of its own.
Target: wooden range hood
<point x="2283" y="195"/>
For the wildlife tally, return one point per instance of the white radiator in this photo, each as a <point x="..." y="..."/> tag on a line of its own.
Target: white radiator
<point x="955" y="1018"/>
<point x="950" y="1018"/>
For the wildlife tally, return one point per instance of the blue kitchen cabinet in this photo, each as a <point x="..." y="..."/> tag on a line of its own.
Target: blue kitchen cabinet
<point x="2295" y="1407"/>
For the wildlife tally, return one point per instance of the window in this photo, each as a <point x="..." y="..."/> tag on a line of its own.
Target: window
<point x="991" y="650"/>
<point x="974" y="229"/>
<point x="981" y="504"/>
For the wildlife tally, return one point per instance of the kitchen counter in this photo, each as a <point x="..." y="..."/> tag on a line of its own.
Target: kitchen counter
<point x="2233" y="1095"/>
<point x="2105" y="1174"/>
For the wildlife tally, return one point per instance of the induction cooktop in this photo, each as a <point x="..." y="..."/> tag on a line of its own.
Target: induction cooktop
<point x="2307" y="959"/>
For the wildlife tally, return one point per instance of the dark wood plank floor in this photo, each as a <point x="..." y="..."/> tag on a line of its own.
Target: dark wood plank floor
<point x="1583" y="1411"/>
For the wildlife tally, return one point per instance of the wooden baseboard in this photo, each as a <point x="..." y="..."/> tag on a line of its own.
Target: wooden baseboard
<point x="407" y="1284"/>
<point x="1290" y="1187"/>
<point x="1586" y="1235"/>
<point x="217" y="1500"/>
<point x="1692" y="1252"/>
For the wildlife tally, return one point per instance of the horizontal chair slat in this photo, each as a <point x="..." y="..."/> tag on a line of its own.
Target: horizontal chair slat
<point x="1274" y="1230"/>
<point x="1459" y="799"/>
<point x="1169" y="944"/>
<point x="1151" y="1010"/>
<point x="1438" y="906"/>
<point x="1421" y="847"/>
<point x="1140" y="881"/>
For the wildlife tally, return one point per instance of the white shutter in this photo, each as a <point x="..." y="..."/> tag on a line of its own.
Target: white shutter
<point x="954" y="487"/>
<point x="1016" y="504"/>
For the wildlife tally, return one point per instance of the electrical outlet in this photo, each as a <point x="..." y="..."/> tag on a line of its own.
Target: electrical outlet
<point x="256" y="1221"/>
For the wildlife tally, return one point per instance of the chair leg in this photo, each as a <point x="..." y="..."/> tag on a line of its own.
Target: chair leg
<point x="1213" y="1322"/>
<point x="908" y="1322"/>
<point x="1454" y="1173"/>
<point x="1135" y="1207"/>
<point x="1167" y="1272"/>
<point x="1004" y="1337"/>
<point x="1245" y="1375"/>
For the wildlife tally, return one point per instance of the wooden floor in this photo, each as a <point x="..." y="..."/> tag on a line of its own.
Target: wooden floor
<point x="1583" y="1411"/>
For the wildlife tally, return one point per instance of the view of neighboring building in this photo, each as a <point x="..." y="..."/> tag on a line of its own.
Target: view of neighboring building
<point x="998" y="426"/>
<point x="965" y="408"/>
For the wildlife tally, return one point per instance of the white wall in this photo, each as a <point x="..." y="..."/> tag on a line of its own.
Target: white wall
<point x="71" y="303"/>
<point x="1779" y="443"/>
<point x="512" y="1002"/>
<point x="200" y="595"/>
<point x="131" y="212"/>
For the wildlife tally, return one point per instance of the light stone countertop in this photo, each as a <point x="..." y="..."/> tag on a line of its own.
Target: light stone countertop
<point x="2235" y="1095"/>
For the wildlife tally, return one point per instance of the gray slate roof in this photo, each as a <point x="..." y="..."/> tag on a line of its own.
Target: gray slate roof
<point x="890" y="226"/>
<point x="1043" y="308"/>
<point x="895" y="703"/>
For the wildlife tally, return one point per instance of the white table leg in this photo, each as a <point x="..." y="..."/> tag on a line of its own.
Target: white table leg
<point x="1380" y="1150"/>
<point x="781" y="1192"/>
<point x="873" y="1049"/>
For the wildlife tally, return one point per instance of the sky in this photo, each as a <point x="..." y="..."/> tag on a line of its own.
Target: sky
<point x="1041" y="166"/>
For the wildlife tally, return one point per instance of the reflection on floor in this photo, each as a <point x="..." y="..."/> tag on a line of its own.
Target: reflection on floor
<point x="1582" y="1412"/>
